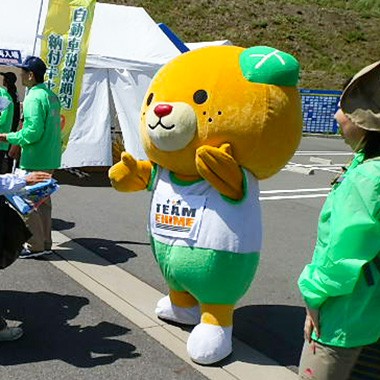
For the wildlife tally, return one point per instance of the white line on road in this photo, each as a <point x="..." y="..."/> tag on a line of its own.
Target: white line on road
<point x="321" y="153"/>
<point x="333" y="169"/>
<point x="295" y="190"/>
<point x="321" y="194"/>
<point x="317" y="166"/>
<point x="321" y="161"/>
<point x="298" y="169"/>
<point x="301" y="196"/>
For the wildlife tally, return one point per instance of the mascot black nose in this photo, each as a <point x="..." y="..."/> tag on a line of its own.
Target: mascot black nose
<point x="162" y="110"/>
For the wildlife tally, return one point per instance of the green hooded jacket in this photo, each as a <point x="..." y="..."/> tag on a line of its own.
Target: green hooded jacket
<point x="40" y="137"/>
<point x="6" y="117"/>
<point x="348" y="239"/>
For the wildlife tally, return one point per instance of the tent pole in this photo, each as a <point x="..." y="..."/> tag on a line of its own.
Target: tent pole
<point x="38" y="27"/>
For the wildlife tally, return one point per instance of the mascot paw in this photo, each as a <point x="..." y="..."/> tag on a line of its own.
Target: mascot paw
<point x="184" y="315"/>
<point x="208" y="344"/>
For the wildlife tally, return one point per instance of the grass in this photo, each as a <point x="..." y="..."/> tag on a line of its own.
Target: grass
<point x="361" y="6"/>
<point x="331" y="38"/>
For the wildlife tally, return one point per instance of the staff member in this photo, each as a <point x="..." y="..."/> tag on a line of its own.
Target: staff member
<point x="9" y="83"/>
<point x="10" y="184"/>
<point x="6" y="118"/>
<point x="41" y="146"/>
<point x="341" y="286"/>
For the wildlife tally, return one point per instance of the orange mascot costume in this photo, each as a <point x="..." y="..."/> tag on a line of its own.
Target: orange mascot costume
<point x="214" y="121"/>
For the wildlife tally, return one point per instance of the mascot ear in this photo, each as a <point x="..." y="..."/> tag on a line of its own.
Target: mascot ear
<point x="263" y="64"/>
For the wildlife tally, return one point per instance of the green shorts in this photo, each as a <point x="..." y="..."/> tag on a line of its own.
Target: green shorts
<point x="212" y="277"/>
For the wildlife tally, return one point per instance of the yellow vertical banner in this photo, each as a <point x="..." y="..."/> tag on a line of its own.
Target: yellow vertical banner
<point x="64" y="49"/>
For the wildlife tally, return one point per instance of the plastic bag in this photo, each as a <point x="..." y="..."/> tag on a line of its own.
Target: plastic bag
<point x="32" y="196"/>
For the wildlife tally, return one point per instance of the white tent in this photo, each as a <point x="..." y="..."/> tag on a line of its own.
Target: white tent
<point x="126" y="49"/>
<point x="198" y="45"/>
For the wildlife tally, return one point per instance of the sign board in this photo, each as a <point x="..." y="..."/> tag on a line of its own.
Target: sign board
<point x="318" y="109"/>
<point x="9" y="57"/>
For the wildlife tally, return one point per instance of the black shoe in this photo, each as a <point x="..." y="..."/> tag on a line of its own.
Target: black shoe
<point x="8" y="334"/>
<point x="28" y="254"/>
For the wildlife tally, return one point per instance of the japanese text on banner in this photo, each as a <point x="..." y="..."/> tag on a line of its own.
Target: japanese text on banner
<point x="64" y="49"/>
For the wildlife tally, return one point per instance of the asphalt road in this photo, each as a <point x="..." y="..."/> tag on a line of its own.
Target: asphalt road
<point x="270" y="316"/>
<point x="71" y="334"/>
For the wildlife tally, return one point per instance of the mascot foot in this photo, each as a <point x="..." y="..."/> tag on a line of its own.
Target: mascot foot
<point x="208" y="344"/>
<point x="184" y="315"/>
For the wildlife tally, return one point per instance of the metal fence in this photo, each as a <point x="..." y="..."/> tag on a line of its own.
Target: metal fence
<point x="318" y="108"/>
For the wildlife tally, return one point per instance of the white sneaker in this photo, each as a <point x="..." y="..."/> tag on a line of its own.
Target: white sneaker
<point x="27" y="253"/>
<point x="184" y="315"/>
<point x="8" y="334"/>
<point x="209" y="344"/>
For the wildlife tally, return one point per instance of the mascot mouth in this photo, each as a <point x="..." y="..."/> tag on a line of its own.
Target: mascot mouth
<point x="171" y="126"/>
<point x="159" y="124"/>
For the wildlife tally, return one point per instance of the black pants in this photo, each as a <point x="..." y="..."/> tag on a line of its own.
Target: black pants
<point x="3" y="162"/>
<point x="6" y="163"/>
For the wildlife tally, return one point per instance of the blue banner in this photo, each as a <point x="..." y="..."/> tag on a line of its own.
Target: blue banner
<point x="318" y="109"/>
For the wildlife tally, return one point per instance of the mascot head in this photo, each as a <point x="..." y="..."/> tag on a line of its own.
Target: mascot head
<point x="224" y="94"/>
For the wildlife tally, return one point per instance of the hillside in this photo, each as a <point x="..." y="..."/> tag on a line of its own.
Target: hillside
<point x="332" y="39"/>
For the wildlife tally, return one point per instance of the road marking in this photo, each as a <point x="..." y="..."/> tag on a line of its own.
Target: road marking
<point x="136" y="301"/>
<point x="317" y="166"/>
<point x="324" y="164"/>
<point x="320" y="160"/>
<point x="295" y="190"/>
<point x="301" y="196"/>
<point x="307" y="167"/>
<point x="321" y="153"/>
<point x="301" y="169"/>
<point x="323" y="192"/>
<point x="331" y="170"/>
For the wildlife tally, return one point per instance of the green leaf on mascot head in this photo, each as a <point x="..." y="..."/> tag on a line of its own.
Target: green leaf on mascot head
<point x="264" y="64"/>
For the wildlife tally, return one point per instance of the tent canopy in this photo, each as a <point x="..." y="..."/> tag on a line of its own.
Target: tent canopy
<point x="120" y="34"/>
<point x="126" y="48"/>
<point x="127" y="37"/>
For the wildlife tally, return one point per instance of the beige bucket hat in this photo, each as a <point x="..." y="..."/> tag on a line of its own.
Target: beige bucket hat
<point x="360" y="100"/>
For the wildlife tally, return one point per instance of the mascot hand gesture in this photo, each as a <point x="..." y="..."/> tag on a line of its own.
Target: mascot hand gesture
<point x="214" y="121"/>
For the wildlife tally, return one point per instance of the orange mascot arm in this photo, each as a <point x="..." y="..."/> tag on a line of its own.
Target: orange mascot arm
<point x="129" y="174"/>
<point x="219" y="168"/>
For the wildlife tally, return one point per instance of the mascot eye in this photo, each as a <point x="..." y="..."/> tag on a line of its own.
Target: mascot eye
<point x="200" y="96"/>
<point x="150" y="98"/>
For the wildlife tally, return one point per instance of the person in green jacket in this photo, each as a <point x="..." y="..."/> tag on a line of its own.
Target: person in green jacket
<point x="341" y="286"/>
<point x="9" y="83"/>
<point x="6" y="118"/>
<point x="41" y="146"/>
